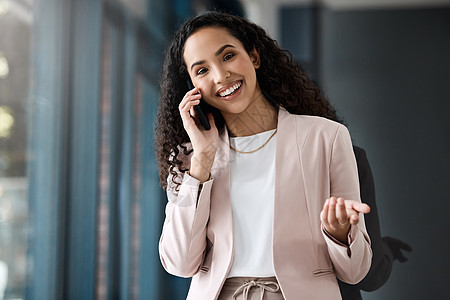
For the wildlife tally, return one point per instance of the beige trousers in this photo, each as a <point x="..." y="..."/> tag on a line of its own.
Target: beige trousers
<point x="251" y="288"/>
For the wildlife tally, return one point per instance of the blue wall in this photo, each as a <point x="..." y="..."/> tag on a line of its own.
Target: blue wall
<point x="388" y="74"/>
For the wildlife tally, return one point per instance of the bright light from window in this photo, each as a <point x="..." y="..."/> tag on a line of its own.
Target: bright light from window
<point x="6" y="122"/>
<point x="4" y="7"/>
<point x="4" y="68"/>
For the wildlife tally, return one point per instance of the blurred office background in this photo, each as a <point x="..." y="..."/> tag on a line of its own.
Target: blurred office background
<point x="80" y="204"/>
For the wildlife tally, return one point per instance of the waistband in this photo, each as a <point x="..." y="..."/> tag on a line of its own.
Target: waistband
<point x="246" y="285"/>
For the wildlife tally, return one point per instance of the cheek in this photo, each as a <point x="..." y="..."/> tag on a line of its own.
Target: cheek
<point x="250" y="71"/>
<point x="251" y="79"/>
<point x="207" y="94"/>
<point x="205" y="91"/>
<point x="207" y="87"/>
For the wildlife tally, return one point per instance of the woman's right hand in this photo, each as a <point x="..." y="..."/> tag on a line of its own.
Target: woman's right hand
<point x="204" y="142"/>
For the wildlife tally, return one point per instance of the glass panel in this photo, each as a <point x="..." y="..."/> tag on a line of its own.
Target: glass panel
<point x="103" y="228"/>
<point x="137" y="185"/>
<point x="108" y="261"/>
<point x="15" y="39"/>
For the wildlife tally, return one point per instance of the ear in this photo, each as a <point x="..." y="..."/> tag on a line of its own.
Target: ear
<point x="254" y="56"/>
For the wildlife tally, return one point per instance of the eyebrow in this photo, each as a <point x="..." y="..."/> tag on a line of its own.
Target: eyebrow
<point x="218" y="52"/>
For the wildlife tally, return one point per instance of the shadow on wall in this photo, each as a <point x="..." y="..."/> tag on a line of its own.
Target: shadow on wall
<point x="387" y="72"/>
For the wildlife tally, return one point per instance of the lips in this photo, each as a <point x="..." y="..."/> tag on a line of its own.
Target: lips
<point x="230" y="89"/>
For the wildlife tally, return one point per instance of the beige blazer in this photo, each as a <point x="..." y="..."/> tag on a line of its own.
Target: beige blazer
<point x="314" y="160"/>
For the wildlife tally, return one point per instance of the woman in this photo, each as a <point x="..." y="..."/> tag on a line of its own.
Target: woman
<point x="265" y="202"/>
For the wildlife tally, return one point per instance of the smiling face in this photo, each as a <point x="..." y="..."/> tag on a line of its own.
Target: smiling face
<point x="221" y="68"/>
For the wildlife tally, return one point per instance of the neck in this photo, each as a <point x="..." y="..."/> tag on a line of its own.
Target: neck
<point x="260" y="116"/>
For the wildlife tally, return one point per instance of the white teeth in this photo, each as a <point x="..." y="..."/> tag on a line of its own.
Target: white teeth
<point x="230" y="90"/>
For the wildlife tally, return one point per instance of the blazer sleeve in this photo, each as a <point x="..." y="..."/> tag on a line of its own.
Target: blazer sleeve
<point x="183" y="240"/>
<point x="352" y="262"/>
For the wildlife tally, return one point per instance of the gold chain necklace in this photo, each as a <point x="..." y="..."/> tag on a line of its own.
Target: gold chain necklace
<point x="253" y="151"/>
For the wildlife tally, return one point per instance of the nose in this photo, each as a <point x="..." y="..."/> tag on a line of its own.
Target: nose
<point x="220" y="75"/>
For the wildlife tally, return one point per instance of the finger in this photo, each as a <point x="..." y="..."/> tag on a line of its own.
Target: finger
<point x="341" y="212"/>
<point x="192" y="111"/>
<point x="186" y="105"/>
<point x="354" y="219"/>
<point x="357" y="206"/>
<point x="193" y="91"/>
<point x="324" y="213"/>
<point x="188" y="121"/>
<point x="332" y="212"/>
<point x="361" y="207"/>
<point x="189" y="106"/>
<point x="188" y="100"/>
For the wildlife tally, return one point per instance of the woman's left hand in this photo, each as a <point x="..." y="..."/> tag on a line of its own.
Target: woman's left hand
<point x="338" y="215"/>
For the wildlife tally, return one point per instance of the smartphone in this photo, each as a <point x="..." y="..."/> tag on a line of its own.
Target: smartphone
<point x="200" y="109"/>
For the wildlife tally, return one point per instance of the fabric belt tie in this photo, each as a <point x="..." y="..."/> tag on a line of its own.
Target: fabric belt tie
<point x="263" y="285"/>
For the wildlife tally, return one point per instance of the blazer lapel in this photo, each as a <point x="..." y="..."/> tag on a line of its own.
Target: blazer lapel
<point x="220" y="227"/>
<point x="292" y="236"/>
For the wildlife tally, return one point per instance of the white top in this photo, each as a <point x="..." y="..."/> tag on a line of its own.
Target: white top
<point x="252" y="181"/>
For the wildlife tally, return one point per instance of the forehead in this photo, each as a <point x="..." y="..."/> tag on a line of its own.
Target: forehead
<point x="208" y="39"/>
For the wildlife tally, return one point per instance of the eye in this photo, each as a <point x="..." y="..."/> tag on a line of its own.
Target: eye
<point x="202" y="71"/>
<point x="228" y="56"/>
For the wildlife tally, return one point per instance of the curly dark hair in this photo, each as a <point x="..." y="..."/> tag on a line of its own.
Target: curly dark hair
<point x="282" y="82"/>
